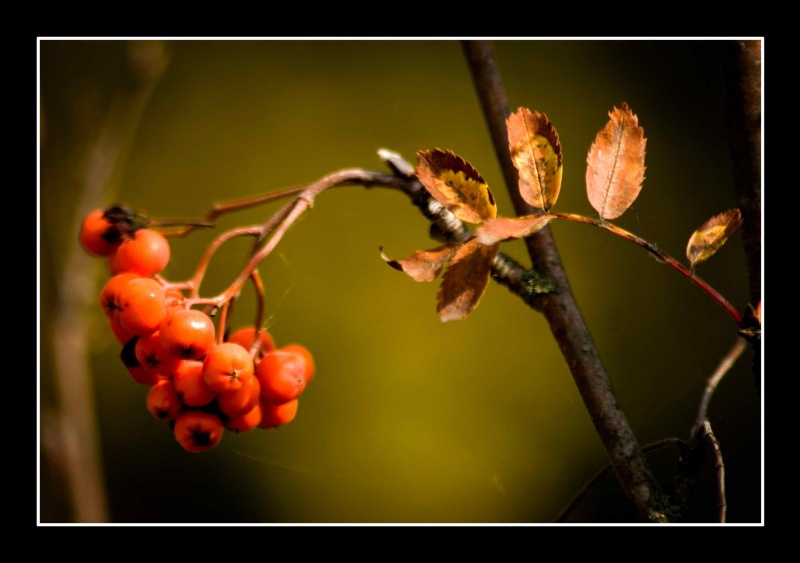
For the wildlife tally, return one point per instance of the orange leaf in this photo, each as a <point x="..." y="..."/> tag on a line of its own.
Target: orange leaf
<point x="465" y="280"/>
<point x="455" y="183"/>
<point x="615" y="170"/>
<point x="504" y="228"/>
<point x="424" y="265"/>
<point x="536" y="153"/>
<point x="711" y="235"/>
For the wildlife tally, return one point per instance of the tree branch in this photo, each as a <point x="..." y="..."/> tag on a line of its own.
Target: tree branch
<point x="70" y="430"/>
<point x="741" y="74"/>
<point x="561" y="311"/>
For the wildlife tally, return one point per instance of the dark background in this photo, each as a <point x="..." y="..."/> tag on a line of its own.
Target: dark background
<point x="408" y="420"/>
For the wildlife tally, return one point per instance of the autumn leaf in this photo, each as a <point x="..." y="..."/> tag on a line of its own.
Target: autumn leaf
<point x="615" y="168"/>
<point x="504" y="228"/>
<point x="424" y="265"/>
<point x="711" y="235"/>
<point x="456" y="184"/>
<point x="536" y="153"/>
<point x="465" y="280"/>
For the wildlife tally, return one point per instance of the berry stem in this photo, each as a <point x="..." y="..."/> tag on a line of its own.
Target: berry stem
<point x="660" y="255"/>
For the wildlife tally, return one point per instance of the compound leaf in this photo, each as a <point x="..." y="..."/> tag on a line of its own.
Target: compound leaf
<point x="711" y="235"/>
<point x="456" y="184"/>
<point x="465" y="280"/>
<point x="615" y="164"/>
<point x="536" y="153"/>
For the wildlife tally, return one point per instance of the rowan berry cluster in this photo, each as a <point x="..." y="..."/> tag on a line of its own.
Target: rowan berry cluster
<point x="202" y="378"/>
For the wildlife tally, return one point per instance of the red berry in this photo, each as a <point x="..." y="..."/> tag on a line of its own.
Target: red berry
<point x="282" y="376"/>
<point x="190" y="385"/>
<point x="98" y="235"/>
<point x="163" y="401"/>
<point x="198" y="431"/>
<point x="226" y="367"/>
<point x="187" y="333"/>
<point x="142" y="305"/>
<point x="146" y="254"/>
<point x="273" y="415"/>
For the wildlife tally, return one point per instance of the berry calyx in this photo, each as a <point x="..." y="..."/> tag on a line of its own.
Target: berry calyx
<point x="198" y="431"/>
<point x="226" y="367"/>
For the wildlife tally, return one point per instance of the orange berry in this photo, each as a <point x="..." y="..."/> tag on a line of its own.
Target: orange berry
<point x="273" y="415"/>
<point x="109" y="296"/>
<point x="239" y="402"/>
<point x="282" y="376"/>
<point x="226" y="367"/>
<point x="163" y="401"/>
<point x="146" y="254"/>
<point x="153" y="357"/>
<point x="190" y="385"/>
<point x="187" y="333"/>
<point x="246" y="338"/>
<point x="99" y="236"/>
<point x="245" y="422"/>
<point x="142" y="305"/>
<point x="307" y="357"/>
<point x="198" y="431"/>
<point x="122" y="334"/>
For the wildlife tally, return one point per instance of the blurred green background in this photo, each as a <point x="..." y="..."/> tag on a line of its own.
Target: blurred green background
<point x="408" y="420"/>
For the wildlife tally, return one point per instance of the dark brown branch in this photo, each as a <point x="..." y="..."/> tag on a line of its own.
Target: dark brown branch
<point x="562" y="313"/>
<point x="587" y="488"/>
<point x="741" y="73"/>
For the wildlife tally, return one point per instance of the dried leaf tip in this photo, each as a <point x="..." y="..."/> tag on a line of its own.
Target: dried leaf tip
<point x="615" y="164"/>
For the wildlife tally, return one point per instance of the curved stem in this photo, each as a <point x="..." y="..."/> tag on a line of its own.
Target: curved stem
<point x="660" y="255"/>
<point x="255" y="276"/>
<point x="724" y="366"/>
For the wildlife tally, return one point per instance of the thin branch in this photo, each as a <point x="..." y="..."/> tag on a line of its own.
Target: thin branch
<point x="724" y="366"/>
<point x="562" y="313"/>
<point x="661" y="256"/>
<point x="74" y="438"/>
<point x="719" y="466"/>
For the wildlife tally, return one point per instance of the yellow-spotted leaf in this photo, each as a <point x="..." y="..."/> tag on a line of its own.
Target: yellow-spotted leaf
<point x="615" y="165"/>
<point x="456" y="184"/>
<point x="536" y="153"/>
<point x="424" y="265"/>
<point x="711" y="235"/>
<point x="505" y="228"/>
<point x="465" y="280"/>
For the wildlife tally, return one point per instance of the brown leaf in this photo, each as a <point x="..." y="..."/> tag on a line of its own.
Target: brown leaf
<point x="424" y="265"/>
<point x="455" y="183"/>
<point x="465" y="280"/>
<point x="615" y="168"/>
<point x="711" y="235"/>
<point x="504" y="228"/>
<point x="536" y="153"/>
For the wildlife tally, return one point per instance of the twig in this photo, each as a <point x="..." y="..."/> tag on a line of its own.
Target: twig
<point x="719" y="466"/>
<point x="724" y="366"/>
<point x="562" y="313"/>
<point x="659" y="255"/>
